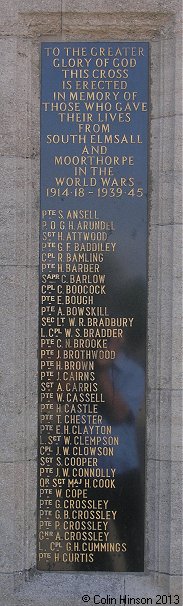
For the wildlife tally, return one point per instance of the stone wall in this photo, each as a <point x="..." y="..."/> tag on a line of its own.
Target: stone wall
<point x="23" y="25"/>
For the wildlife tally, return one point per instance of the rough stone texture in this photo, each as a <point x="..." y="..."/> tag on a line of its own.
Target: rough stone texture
<point x="105" y="6"/>
<point x="129" y="24"/>
<point x="8" y="103"/>
<point x="160" y="307"/>
<point x="19" y="227"/>
<point x="23" y="25"/>
<point x="68" y="589"/>
<point x="163" y="406"/>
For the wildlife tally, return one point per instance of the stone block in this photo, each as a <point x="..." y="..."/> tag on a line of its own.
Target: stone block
<point x="20" y="225"/>
<point x="151" y="517"/>
<point x="158" y="530"/>
<point x="166" y="554"/>
<point x="176" y="426"/>
<point x="153" y="338"/>
<point x="19" y="396"/>
<point x="18" y="483"/>
<point x="87" y="20"/>
<point x="178" y="73"/>
<point x="166" y="198"/>
<point x="30" y="530"/>
<point x="8" y="219"/>
<point x="160" y="307"/>
<point x="166" y="75"/>
<point x="126" y="25"/>
<point x="26" y="362"/>
<point x="177" y="382"/>
<point x="6" y="588"/>
<point x="176" y="585"/>
<point x="37" y="25"/>
<point x="8" y="9"/>
<point x="27" y="213"/>
<point x="8" y="486"/>
<point x="18" y="114"/>
<point x="159" y="6"/>
<point x="28" y="98"/>
<point x="176" y="529"/>
<point x="152" y="424"/>
<point x="164" y="425"/>
<point x="170" y="142"/>
<point x="165" y="296"/>
<point x="45" y="588"/>
<point x="8" y="104"/>
<point x="19" y="184"/>
<point x="164" y="304"/>
<point x="8" y="329"/>
<point x="38" y="6"/>
<point x="145" y="587"/>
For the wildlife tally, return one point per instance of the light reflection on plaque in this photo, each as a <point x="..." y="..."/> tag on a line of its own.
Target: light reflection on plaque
<point x="94" y="120"/>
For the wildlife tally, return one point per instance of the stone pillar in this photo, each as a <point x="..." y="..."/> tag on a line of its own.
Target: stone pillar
<point x="23" y="26"/>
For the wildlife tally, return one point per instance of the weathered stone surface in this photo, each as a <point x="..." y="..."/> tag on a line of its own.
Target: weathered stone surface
<point x="43" y="23"/>
<point x="7" y="333"/>
<point x="128" y="25"/>
<point x="8" y="103"/>
<point x="177" y="379"/>
<point x="160" y="307"/>
<point x="19" y="229"/>
<point x="165" y="303"/>
<point x="18" y="528"/>
<point x="19" y="292"/>
<point x="164" y="410"/>
<point x="176" y="530"/>
<point x="7" y="588"/>
<point x="8" y="522"/>
<point x="164" y="129"/>
<point x="176" y="585"/>
<point x="166" y="76"/>
<point x="105" y="6"/>
<point x="151" y="505"/>
<point x="165" y="188"/>
<point x="166" y="553"/>
<point x="30" y="529"/>
<point x="149" y="587"/>
<point x="39" y="6"/>
<point x="8" y="9"/>
<point x="22" y="28"/>
<point x="56" y="589"/>
<point x="158" y="515"/>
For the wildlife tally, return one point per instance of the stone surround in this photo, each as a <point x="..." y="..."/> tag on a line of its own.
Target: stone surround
<point x="24" y="24"/>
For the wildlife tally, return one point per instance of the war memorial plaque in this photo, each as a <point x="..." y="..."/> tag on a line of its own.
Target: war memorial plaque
<point x="93" y="257"/>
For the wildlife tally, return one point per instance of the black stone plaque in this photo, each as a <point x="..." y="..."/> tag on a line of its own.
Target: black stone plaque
<point x="93" y="250"/>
